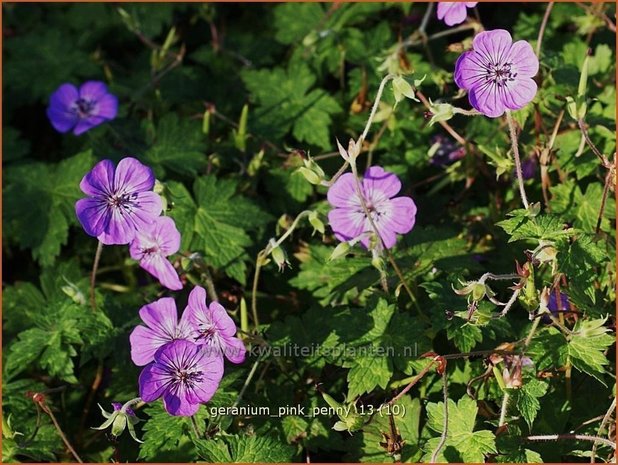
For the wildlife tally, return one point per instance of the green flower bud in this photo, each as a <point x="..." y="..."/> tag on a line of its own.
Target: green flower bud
<point x="440" y="112"/>
<point x="315" y="221"/>
<point x="340" y="251"/>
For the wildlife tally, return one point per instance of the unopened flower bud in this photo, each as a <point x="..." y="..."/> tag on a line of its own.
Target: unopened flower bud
<point x="340" y="251"/>
<point x="279" y="256"/>
<point x="440" y="112"/>
<point x="316" y="222"/>
<point x="402" y="88"/>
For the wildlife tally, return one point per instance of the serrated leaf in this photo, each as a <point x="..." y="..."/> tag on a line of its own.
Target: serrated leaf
<point x="586" y="346"/>
<point x="217" y="223"/>
<point x="470" y="445"/>
<point x="287" y="103"/>
<point x="368" y="372"/>
<point x="527" y="399"/>
<point x="244" y="449"/>
<point x="177" y="145"/>
<point x="40" y="204"/>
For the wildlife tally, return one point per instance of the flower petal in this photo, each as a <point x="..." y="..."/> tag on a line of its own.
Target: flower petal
<point x="144" y="344"/>
<point x="133" y="176"/>
<point x="100" y="179"/>
<point x="93" y="90"/>
<point x="452" y="12"/>
<point x="167" y="235"/>
<point x="523" y="59"/>
<point x="152" y="382"/>
<point x="120" y="228"/>
<point x="234" y="349"/>
<point x="224" y="323"/>
<point x="162" y="317"/>
<point x="176" y="403"/>
<point x="346" y="223"/>
<point x="86" y="124"/>
<point x="161" y="268"/>
<point x="519" y="93"/>
<point x="493" y="46"/>
<point x="343" y="192"/>
<point x="210" y="364"/>
<point x="469" y="70"/>
<point x="147" y="207"/>
<point x="379" y="184"/>
<point x="488" y="98"/>
<point x="400" y="214"/>
<point x="106" y="107"/>
<point x="93" y="215"/>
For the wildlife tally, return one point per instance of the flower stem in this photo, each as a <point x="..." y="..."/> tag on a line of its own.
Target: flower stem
<point x="520" y="176"/>
<point x="387" y="78"/>
<point x="535" y="325"/>
<point x="580" y="437"/>
<point x="503" y="409"/>
<point x="196" y="430"/>
<point x="595" y="150"/>
<point x="539" y="40"/>
<point x="606" y="417"/>
<point x="48" y="411"/>
<point x="93" y="275"/>
<point x="261" y="257"/>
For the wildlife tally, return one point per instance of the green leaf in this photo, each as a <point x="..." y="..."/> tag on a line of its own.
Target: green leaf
<point x="527" y="399"/>
<point x="293" y="21"/>
<point x="40" y="204"/>
<point x="583" y="209"/>
<point x="217" y="223"/>
<point x="177" y="145"/>
<point x="287" y="103"/>
<point x="463" y="444"/>
<point x="368" y="372"/>
<point x="586" y="347"/>
<point x="166" y="436"/>
<point x="245" y="449"/>
<point x="542" y="227"/>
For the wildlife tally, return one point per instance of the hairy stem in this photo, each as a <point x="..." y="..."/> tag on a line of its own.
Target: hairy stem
<point x="415" y="380"/>
<point x="387" y="78"/>
<point x="210" y="285"/>
<point x="520" y="176"/>
<point x="595" y="150"/>
<point x="539" y="40"/>
<point x="580" y="437"/>
<point x="503" y="409"/>
<point x="93" y="275"/>
<point x="606" y="418"/>
<point x="48" y="411"/>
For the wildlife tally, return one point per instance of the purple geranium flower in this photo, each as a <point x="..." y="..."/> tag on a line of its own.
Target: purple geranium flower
<point x="213" y="327"/>
<point x="528" y="168"/>
<point x="120" y="201"/>
<point x="454" y="12"/>
<point x="391" y="216"/>
<point x="162" y="326"/>
<point x="184" y="374"/>
<point x="81" y="110"/>
<point x="497" y="73"/>
<point x="553" y="306"/>
<point x="152" y="245"/>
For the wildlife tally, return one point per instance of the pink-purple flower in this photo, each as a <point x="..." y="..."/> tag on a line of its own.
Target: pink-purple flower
<point x="120" y="201"/>
<point x="81" y="109"/>
<point x="454" y="12"/>
<point x="184" y="375"/>
<point x="152" y="244"/>
<point x="497" y="73"/>
<point x="391" y="215"/>
<point x="212" y="327"/>
<point x="162" y="327"/>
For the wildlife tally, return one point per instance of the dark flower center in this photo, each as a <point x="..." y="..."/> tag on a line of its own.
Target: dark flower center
<point x="206" y="332"/>
<point x="188" y="378"/>
<point x="124" y="203"/>
<point x="500" y="74"/>
<point x="83" y="108"/>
